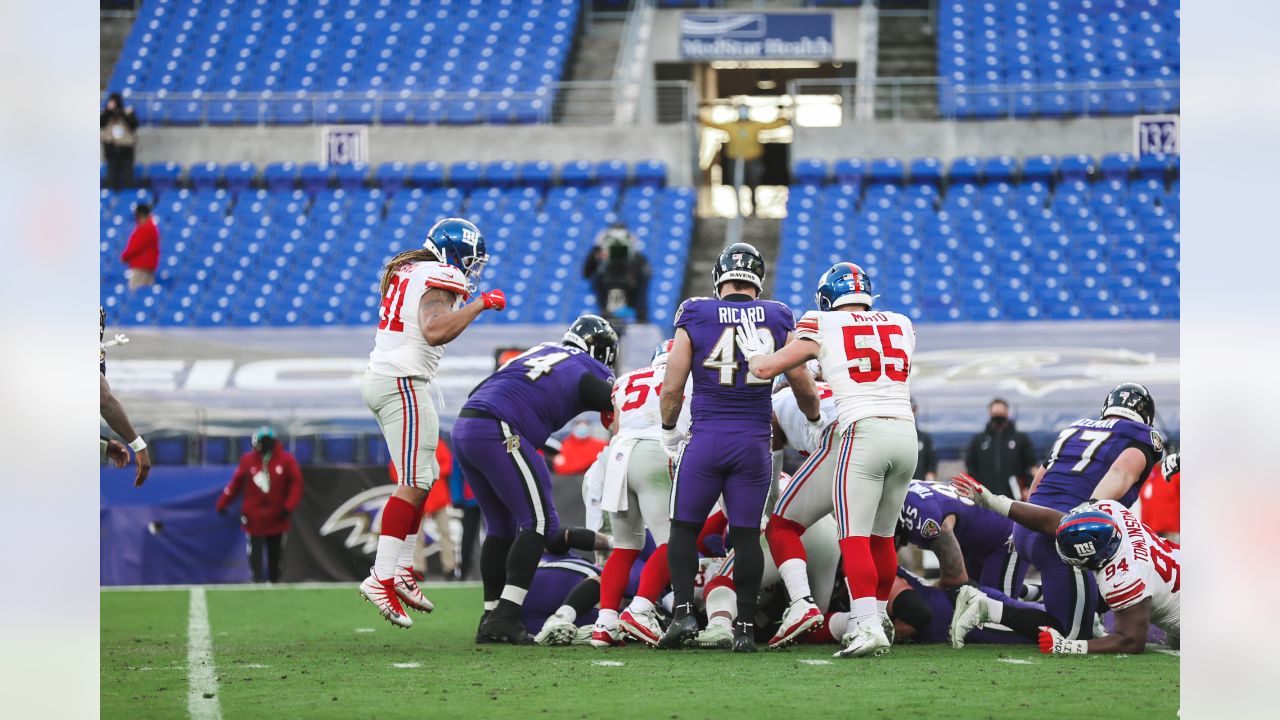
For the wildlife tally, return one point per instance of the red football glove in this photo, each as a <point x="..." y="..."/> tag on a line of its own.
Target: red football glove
<point x="1046" y="640"/>
<point x="494" y="300"/>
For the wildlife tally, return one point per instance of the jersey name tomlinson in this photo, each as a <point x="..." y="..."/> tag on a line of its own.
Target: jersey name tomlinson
<point x="729" y="315"/>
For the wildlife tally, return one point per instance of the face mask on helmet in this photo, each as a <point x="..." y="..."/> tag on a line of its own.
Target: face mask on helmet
<point x="459" y="243"/>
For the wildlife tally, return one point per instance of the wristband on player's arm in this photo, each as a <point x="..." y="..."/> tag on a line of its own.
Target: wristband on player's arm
<point x="138" y="444"/>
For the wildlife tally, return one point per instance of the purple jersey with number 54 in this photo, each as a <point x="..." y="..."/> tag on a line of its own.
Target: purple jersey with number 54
<point x="1084" y="452"/>
<point x="725" y="394"/>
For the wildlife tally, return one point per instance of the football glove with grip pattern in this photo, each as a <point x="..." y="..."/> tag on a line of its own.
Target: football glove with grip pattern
<point x="1053" y="643"/>
<point x="974" y="490"/>
<point x="494" y="300"/>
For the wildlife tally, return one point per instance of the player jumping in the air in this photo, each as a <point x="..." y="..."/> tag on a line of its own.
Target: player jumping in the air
<point x="423" y="292"/>
<point x="1138" y="572"/>
<point x="728" y="447"/>
<point x="496" y="437"/>
<point x="866" y="358"/>
<point x="1104" y="459"/>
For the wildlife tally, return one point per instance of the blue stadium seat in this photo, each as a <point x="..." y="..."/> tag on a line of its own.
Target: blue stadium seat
<point x="965" y="170"/>
<point x="651" y="173"/>
<point x="999" y="169"/>
<point x="1148" y="167"/>
<point x="578" y="173"/>
<point x="163" y="177"/>
<point x="205" y="176"/>
<point x="1116" y="166"/>
<point x="1042" y="168"/>
<point x="391" y="176"/>
<point x="612" y="173"/>
<point x="849" y="171"/>
<point x="925" y="171"/>
<point x="351" y="177"/>
<point x="1076" y="167"/>
<point x="426" y="174"/>
<point x="501" y="173"/>
<point x="537" y="173"/>
<point x="315" y="177"/>
<point x="885" y="171"/>
<point x="810" y="172"/>
<point x="466" y="175"/>
<point x="240" y="176"/>
<point x="280" y="175"/>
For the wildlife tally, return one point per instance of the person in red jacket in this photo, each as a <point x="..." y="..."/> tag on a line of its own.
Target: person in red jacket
<point x="142" y="254"/>
<point x="272" y="485"/>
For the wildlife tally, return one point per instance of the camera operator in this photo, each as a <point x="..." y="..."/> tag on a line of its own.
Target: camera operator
<point x="619" y="273"/>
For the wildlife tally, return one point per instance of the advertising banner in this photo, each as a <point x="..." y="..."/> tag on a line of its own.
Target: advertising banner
<point x="756" y="36"/>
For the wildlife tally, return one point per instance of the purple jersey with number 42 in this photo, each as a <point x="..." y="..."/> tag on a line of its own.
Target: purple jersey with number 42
<point x="1084" y="452"/>
<point x="725" y="394"/>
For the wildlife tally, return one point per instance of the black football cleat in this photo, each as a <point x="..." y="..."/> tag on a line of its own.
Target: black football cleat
<point x="744" y="637"/>
<point x="481" y="639"/>
<point x="679" y="634"/>
<point x="501" y="628"/>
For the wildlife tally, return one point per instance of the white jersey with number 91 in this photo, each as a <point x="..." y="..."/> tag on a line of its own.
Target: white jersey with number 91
<point x="399" y="349"/>
<point x="866" y="358"/>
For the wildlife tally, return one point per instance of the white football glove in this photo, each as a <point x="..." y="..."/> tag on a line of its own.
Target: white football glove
<point x="1052" y="643"/>
<point x="749" y="340"/>
<point x="672" y="440"/>
<point x="815" y="429"/>
<point x="974" y="490"/>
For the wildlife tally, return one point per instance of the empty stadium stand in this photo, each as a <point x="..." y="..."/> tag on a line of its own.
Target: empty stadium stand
<point x="1058" y="57"/>
<point x="303" y="245"/>
<point x="228" y="62"/>
<point x="1057" y="239"/>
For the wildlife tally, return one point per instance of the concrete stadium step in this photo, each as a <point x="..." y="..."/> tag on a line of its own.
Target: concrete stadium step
<point x="113" y="30"/>
<point x="594" y="60"/>
<point x="709" y="240"/>
<point x="908" y="48"/>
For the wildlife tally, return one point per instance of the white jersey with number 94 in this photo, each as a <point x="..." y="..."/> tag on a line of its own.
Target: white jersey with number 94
<point x="866" y="358"/>
<point x="399" y="350"/>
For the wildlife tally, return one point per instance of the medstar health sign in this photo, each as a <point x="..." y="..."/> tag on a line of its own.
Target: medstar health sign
<point x="756" y="36"/>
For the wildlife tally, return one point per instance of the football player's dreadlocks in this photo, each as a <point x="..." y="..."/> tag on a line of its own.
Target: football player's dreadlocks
<point x="408" y="256"/>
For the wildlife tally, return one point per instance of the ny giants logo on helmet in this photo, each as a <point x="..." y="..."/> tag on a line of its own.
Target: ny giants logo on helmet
<point x="1085" y="549"/>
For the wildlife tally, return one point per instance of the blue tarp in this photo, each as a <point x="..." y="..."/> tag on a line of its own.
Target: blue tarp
<point x="166" y="532"/>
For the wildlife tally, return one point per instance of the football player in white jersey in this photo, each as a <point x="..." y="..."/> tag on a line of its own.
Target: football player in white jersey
<point x="423" y="292"/>
<point x="866" y="358"/>
<point x="1139" y="573"/>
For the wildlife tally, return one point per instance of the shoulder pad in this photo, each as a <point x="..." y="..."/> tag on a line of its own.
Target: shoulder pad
<point x="685" y="306"/>
<point x="445" y="277"/>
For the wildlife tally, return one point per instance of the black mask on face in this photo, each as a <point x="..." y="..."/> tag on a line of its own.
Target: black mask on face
<point x="266" y="445"/>
<point x="999" y="420"/>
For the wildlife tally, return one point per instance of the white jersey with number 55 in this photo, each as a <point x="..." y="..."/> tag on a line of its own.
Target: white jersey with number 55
<point x="399" y="349"/>
<point x="866" y="358"/>
<point x="635" y="395"/>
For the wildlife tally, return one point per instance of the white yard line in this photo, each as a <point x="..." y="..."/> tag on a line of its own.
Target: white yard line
<point x="1167" y="651"/>
<point x="1015" y="661"/>
<point x="202" y="693"/>
<point x="608" y="663"/>
<point x="406" y="666"/>
<point x="816" y="662"/>
<point x="276" y="586"/>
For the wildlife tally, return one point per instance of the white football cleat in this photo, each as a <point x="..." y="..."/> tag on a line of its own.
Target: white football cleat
<point x="556" y="631"/>
<point x="382" y="593"/>
<point x="603" y="637"/>
<point x="642" y="626"/>
<point x="867" y="638"/>
<point x="408" y="590"/>
<point x="970" y="613"/>
<point x="802" y="616"/>
<point x="714" y="637"/>
<point x="582" y="635"/>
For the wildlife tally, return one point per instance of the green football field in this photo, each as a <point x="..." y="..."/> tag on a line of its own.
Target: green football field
<point x="324" y="653"/>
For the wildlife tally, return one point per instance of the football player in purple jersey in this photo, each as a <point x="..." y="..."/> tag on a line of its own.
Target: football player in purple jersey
<point x="727" y="451"/>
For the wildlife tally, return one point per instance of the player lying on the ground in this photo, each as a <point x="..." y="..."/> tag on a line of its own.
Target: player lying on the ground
<point x="637" y="485"/>
<point x="1138" y="572"/>
<point x="974" y="547"/>
<point x="562" y="598"/>
<point x="866" y="357"/>
<point x="566" y="625"/>
<point x="922" y="614"/>
<point x="640" y="621"/>
<point x="721" y="595"/>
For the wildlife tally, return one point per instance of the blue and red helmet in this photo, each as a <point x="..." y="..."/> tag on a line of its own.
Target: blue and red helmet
<point x="1088" y="538"/>
<point x="458" y="242"/>
<point x="661" y="352"/>
<point x="844" y="284"/>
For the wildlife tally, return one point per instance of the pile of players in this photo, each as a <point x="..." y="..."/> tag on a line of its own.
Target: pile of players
<point x="695" y="462"/>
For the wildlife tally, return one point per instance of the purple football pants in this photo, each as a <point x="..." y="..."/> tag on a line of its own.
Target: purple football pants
<point x="734" y="463"/>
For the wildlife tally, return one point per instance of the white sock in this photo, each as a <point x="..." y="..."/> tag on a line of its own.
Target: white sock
<point x="607" y="619"/>
<point x="722" y="606"/>
<point x="514" y="594"/>
<point x="795" y="576"/>
<point x="882" y="606"/>
<point x="567" y="613"/>
<point x="490" y="604"/>
<point x="995" y="610"/>
<point x="639" y="605"/>
<point x="409" y="545"/>
<point x="838" y="623"/>
<point x="864" y="609"/>
<point x="384" y="563"/>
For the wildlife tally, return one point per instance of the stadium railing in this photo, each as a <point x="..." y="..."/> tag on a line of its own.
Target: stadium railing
<point x="934" y="98"/>
<point x="593" y="103"/>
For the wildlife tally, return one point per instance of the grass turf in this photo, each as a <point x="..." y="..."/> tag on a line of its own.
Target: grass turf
<point x="309" y="653"/>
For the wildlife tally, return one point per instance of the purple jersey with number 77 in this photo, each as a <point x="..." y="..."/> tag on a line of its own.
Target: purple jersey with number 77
<point x="1083" y="453"/>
